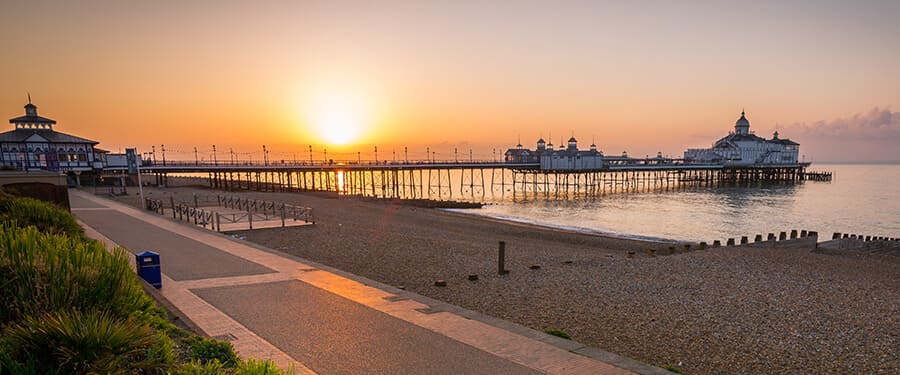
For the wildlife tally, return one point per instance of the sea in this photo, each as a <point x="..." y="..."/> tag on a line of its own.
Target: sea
<point x="861" y="199"/>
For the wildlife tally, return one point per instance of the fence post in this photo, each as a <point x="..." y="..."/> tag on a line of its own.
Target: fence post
<point x="250" y="218"/>
<point x="172" y="202"/>
<point x="218" y="223"/>
<point x="282" y="215"/>
<point x="195" y="201"/>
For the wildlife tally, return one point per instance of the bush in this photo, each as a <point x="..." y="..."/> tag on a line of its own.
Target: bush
<point x="195" y="367"/>
<point x="206" y="350"/>
<point x="45" y="216"/>
<point x="254" y="367"/>
<point x="42" y="273"/>
<point x="77" y="342"/>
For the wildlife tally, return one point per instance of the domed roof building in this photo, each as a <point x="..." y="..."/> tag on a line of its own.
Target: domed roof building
<point x="743" y="147"/>
<point x="567" y="157"/>
<point x="34" y="145"/>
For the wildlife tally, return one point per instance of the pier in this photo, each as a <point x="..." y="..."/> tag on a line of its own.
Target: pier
<point x="477" y="181"/>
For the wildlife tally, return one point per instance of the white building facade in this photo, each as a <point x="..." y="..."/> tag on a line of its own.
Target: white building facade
<point x="34" y="145"/>
<point x="568" y="157"/>
<point x="743" y="147"/>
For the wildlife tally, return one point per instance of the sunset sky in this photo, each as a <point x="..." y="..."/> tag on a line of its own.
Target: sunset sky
<point x="641" y="76"/>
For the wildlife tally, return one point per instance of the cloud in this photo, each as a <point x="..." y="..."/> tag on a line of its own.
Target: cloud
<point x="876" y="124"/>
<point x="872" y="136"/>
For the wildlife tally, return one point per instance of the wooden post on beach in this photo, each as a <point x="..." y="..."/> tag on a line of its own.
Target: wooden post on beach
<point x="729" y="242"/>
<point x="793" y="234"/>
<point x="218" y="223"/>
<point x="782" y="236"/>
<point x="172" y="202"/>
<point x="282" y="215"/>
<point x="250" y="218"/>
<point x="758" y="238"/>
<point x="501" y="259"/>
<point x="744" y="240"/>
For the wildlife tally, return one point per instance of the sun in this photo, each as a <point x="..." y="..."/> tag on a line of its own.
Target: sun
<point x="339" y="118"/>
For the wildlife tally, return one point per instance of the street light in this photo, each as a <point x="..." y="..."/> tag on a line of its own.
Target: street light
<point x="265" y="156"/>
<point x="215" y="162"/>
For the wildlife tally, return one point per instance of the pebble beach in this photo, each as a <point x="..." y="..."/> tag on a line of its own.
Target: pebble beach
<point x="738" y="310"/>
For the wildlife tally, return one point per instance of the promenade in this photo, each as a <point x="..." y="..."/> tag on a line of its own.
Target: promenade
<point x="320" y="320"/>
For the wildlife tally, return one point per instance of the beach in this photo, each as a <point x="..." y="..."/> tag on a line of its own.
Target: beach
<point x="720" y="310"/>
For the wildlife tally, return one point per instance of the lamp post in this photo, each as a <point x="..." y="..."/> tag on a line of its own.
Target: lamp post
<point x="153" y="153"/>
<point x="310" y="154"/>
<point x="427" y="153"/>
<point x="406" y="154"/>
<point x="196" y="160"/>
<point x="376" y="154"/>
<point x="231" y="151"/>
<point x="215" y="161"/>
<point x="265" y="156"/>
<point x="164" y="154"/>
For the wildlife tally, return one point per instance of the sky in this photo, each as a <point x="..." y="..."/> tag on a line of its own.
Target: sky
<point x="347" y="77"/>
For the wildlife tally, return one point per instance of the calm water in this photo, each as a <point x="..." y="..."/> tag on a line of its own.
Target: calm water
<point x="862" y="199"/>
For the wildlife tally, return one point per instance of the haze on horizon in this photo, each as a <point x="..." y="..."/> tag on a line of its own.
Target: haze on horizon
<point x="642" y="76"/>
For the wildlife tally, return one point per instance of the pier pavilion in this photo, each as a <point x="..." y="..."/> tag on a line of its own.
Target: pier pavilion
<point x="34" y="145"/>
<point x="742" y="147"/>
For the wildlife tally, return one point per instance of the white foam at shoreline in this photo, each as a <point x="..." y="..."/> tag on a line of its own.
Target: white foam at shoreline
<point x="515" y="219"/>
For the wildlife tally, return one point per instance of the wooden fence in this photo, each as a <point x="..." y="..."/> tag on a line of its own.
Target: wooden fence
<point x="250" y="210"/>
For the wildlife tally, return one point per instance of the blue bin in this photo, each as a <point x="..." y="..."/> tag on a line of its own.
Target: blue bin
<point x="148" y="268"/>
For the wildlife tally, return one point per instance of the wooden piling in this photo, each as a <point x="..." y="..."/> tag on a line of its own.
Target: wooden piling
<point x="501" y="259"/>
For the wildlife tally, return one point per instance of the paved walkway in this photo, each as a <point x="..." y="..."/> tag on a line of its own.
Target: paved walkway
<point x="319" y="320"/>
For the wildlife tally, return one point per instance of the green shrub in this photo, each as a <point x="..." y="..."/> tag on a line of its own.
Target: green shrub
<point x="45" y="216"/>
<point x="205" y="350"/>
<point x="92" y="342"/>
<point x="42" y="273"/>
<point x="254" y="367"/>
<point x="196" y="367"/>
<point x="558" y="333"/>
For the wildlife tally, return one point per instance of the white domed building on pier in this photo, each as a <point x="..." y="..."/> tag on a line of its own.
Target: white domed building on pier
<point x="567" y="157"/>
<point x="743" y="147"/>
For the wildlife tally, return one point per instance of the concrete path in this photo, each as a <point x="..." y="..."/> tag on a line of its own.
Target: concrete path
<point x="319" y="320"/>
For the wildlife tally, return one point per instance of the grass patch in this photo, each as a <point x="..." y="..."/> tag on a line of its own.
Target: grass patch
<point x="46" y="217"/>
<point x="558" y="333"/>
